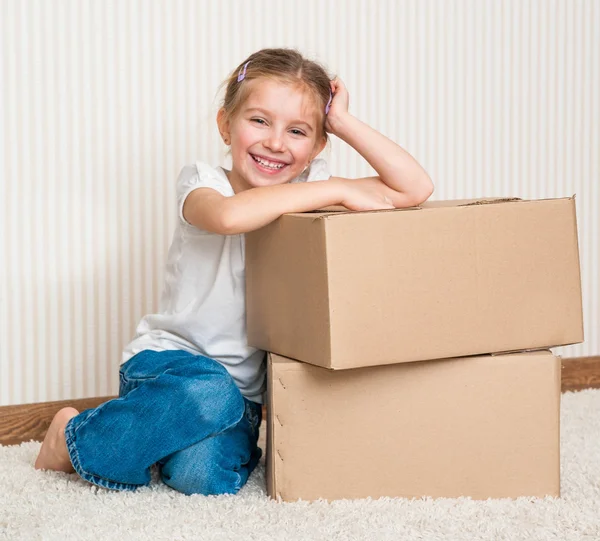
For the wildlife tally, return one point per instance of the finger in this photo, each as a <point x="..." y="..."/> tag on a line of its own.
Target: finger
<point x="340" y="90"/>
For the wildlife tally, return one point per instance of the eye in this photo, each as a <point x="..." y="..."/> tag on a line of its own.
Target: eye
<point x="297" y="132"/>
<point x="258" y="121"/>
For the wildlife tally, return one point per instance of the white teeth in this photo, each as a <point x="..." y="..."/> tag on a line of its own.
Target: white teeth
<point x="267" y="163"/>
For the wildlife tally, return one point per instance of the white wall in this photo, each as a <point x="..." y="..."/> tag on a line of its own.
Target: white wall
<point x="103" y="101"/>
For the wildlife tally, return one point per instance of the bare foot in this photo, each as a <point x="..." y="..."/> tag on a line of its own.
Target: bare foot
<point x="53" y="454"/>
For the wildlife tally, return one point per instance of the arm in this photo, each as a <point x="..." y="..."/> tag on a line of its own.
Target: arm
<point x="251" y="209"/>
<point x="254" y="208"/>
<point x="395" y="167"/>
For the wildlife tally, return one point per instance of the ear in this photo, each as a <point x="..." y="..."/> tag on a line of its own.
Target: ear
<point x="223" y="125"/>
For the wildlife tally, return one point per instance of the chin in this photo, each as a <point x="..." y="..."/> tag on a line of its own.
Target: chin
<point x="260" y="182"/>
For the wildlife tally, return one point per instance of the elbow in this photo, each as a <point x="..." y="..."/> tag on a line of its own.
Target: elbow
<point x="425" y="192"/>
<point x="430" y="189"/>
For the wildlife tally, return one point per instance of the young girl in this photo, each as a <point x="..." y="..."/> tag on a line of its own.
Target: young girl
<point x="191" y="387"/>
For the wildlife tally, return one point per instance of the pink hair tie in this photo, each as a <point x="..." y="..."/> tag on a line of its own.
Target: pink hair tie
<point x="328" y="103"/>
<point x="241" y="75"/>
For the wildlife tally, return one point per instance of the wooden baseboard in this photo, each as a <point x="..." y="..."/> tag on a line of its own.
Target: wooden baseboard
<point x="580" y="373"/>
<point x="30" y="421"/>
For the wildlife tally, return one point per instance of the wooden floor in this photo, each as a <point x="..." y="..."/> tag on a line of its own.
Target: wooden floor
<point x="30" y="421"/>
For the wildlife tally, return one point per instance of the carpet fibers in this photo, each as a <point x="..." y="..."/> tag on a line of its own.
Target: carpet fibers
<point x="54" y="506"/>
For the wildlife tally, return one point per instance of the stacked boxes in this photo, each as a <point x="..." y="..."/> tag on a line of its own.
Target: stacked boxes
<point x="398" y="343"/>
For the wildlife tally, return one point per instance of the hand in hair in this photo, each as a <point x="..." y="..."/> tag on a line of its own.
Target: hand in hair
<point x="339" y="105"/>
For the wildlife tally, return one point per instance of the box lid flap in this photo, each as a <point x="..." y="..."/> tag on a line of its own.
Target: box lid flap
<point x="338" y="210"/>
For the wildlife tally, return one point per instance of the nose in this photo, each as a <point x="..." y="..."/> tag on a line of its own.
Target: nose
<point x="274" y="141"/>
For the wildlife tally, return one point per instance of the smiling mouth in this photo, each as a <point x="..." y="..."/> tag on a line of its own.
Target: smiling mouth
<point x="269" y="164"/>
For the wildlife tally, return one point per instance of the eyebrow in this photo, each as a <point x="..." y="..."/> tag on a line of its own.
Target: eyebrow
<point x="268" y="113"/>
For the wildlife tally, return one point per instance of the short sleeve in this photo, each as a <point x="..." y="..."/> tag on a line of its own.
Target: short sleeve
<point x="318" y="170"/>
<point x="195" y="176"/>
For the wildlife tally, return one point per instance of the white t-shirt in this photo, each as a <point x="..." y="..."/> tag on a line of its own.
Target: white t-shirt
<point x="203" y="308"/>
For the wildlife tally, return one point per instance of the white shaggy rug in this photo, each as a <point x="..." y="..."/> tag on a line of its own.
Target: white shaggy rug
<point x="54" y="506"/>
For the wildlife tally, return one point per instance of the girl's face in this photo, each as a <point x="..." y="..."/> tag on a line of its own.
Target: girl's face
<point x="274" y="135"/>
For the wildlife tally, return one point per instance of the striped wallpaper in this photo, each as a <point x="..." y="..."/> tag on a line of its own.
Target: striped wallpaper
<point x="103" y="101"/>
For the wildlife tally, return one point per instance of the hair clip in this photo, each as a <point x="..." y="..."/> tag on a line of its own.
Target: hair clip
<point x="242" y="75"/>
<point x="328" y="103"/>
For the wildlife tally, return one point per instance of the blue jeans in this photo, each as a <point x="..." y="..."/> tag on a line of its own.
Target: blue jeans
<point x="180" y="411"/>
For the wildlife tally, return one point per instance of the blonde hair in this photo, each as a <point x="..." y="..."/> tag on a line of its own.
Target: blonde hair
<point x="284" y="65"/>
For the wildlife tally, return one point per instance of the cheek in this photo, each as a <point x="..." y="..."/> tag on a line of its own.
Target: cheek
<point x="243" y="139"/>
<point x="298" y="144"/>
<point x="304" y="151"/>
<point x="240" y="145"/>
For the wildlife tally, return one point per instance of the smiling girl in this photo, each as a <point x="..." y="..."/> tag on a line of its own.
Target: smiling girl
<point x="191" y="388"/>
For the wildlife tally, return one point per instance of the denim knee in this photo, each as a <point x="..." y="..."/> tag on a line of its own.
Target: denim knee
<point x="224" y="398"/>
<point x="199" y="470"/>
<point x="220" y="464"/>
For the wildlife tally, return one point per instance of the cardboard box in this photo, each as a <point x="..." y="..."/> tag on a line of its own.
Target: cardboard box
<point x="484" y="427"/>
<point x="448" y="279"/>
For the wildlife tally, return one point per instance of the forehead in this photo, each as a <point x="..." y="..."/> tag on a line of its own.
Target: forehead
<point x="285" y="100"/>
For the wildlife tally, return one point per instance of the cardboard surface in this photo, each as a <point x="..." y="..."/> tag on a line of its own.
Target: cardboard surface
<point x="484" y="426"/>
<point x="448" y="279"/>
